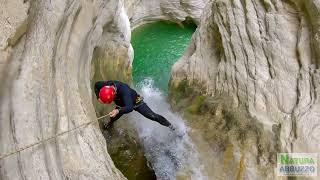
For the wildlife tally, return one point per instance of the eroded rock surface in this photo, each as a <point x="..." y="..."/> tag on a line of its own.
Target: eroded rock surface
<point x="265" y="56"/>
<point x="46" y="48"/>
<point x="143" y="11"/>
<point x="50" y="50"/>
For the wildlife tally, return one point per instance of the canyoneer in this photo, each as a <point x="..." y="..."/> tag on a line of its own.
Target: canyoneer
<point x="126" y="100"/>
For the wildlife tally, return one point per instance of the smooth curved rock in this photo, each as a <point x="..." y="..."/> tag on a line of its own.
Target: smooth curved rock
<point x="45" y="73"/>
<point x="265" y="55"/>
<point x="144" y="11"/>
<point x="50" y="50"/>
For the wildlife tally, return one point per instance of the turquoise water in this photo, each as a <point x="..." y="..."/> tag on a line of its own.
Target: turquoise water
<point x="157" y="46"/>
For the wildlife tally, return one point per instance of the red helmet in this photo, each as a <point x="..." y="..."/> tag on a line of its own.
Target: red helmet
<point x="107" y="94"/>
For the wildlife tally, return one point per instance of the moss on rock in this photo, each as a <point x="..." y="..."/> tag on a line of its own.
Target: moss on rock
<point x="225" y="125"/>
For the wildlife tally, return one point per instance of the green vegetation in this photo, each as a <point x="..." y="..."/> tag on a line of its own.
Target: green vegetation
<point x="196" y="105"/>
<point x="179" y="92"/>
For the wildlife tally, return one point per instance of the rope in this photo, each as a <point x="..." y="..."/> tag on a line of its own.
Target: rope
<point x="50" y="138"/>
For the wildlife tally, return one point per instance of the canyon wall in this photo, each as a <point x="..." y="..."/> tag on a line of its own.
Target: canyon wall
<point x="264" y="56"/>
<point x="46" y="48"/>
<point x="50" y="53"/>
<point x="144" y="11"/>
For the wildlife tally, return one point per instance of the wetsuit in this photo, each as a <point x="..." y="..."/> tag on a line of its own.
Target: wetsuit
<point x="128" y="100"/>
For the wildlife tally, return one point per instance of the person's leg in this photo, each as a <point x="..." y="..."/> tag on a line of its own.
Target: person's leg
<point x="148" y="113"/>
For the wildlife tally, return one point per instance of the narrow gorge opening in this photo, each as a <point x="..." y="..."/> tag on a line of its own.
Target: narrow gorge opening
<point x="157" y="46"/>
<point x="135" y="152"/>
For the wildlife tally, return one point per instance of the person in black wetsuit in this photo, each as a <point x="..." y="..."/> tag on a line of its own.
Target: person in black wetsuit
<point x="127" y="100"/>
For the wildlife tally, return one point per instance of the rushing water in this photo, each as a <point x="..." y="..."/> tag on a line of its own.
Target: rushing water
<point x="171" y="156"/>
<point x="157" y="47"/>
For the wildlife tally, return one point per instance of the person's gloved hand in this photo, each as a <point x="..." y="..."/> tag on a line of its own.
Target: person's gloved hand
<point x="113" y="113"/>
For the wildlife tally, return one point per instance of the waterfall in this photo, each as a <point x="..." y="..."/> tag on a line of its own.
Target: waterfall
<point x="170" y="156"/>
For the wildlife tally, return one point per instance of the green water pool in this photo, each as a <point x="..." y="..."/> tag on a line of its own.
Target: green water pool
<point x="157" y="46"/>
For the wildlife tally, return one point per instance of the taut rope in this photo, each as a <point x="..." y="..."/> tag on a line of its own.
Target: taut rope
<point x="50" y="138"/>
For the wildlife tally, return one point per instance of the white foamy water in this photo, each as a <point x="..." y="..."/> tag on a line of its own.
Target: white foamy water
<point x="170" y="156"/>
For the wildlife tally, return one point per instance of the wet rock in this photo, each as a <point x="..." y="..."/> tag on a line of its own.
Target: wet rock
<point x="127" y="153"/>
<point x="264" y="55"/>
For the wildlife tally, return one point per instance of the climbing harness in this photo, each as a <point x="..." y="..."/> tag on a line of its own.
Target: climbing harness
<point x="139" y="102"/>
<point x="137" y="105"/>
<point x="50" y="138"/>
<point x="139" y="99"/>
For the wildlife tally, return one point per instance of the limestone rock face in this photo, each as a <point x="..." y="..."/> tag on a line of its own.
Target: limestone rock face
<point x="142" y="11"/>
<point x="265" y="55"/>
<point x="46" y="49"/>
<point x="50" y="51"/>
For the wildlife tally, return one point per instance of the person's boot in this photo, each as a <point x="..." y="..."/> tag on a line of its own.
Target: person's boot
<point x="172" y="128"/>
<point x="178" y="132"/>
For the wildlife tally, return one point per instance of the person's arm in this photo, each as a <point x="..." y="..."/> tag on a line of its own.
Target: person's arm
<point x="128" y="103"/>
